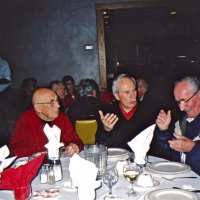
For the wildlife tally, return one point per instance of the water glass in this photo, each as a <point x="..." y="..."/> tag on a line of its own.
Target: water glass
<point x="98" y="155"/>
<point x="110" y="178"/>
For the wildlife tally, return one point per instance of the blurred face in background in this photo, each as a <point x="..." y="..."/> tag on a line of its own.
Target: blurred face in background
<point x="59" y="89"/>
<point x="126" y="94"/>
<point x="70" y="87"/>
<point x="142" y="87"/>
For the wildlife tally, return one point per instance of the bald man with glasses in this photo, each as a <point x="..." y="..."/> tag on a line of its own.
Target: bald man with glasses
<point x="28" y="136"/>
<point x="182" y="139"/>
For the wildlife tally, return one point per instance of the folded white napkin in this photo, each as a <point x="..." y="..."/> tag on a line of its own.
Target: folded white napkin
<point x="53" y="135"/>
<point x="4" y="153"/>
<point x="141" y="144"/>
<point x="83" y="174"/>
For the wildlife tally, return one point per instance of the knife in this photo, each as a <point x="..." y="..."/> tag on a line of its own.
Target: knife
<point x="186" y="189"/>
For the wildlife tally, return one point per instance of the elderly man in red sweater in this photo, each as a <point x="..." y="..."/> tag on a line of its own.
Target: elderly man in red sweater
<point x="28" y="136"/>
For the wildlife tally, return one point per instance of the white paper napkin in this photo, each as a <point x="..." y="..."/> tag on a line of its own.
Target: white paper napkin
<point x="53" y="135"/>
<point x="141" y="144"/>
<point x="83" y="174"/>
<point x="4" y="153"/>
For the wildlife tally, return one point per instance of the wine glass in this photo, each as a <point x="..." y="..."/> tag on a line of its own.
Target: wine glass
<point x="130" y="172"/>
<point x="110" y="178"/>
<point x="142" y="165"/>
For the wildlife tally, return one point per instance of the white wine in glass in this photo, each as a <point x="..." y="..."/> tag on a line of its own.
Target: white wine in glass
<point x="131" y="172"/>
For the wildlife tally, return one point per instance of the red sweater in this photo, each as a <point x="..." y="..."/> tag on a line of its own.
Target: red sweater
<point x="29" y="138"/>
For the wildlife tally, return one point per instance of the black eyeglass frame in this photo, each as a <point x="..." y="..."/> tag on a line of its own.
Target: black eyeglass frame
<point x="186" y="101"/>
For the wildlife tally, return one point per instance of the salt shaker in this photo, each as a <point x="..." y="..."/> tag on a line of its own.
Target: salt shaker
<point x="43" y="175"/>
<point x="51" y="176"/>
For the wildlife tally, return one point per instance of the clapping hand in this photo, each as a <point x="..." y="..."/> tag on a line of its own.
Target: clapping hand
<point x="163" y="120"/>
<point x="181" y="144"/>
<point x="108" y="120"/>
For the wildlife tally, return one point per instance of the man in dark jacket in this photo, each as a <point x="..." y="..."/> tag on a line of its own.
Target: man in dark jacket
<point x="127" y="118"/>
<point x="181" y="140"/>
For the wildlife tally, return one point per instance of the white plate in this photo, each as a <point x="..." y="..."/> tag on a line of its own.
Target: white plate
<point x="155" y="184"/>
<point x="169" y="194"/>
<point x="115" y="154"/>
<point x="168" y="168"/>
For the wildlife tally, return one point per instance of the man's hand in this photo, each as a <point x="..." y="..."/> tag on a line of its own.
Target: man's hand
<point x="108" y="120"/>
<point x="71" y="149"/>
<point x="181" y="144"/>
<point x="163" y="120"/>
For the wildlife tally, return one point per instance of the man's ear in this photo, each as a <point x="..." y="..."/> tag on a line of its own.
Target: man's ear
<point x="37" y="108"/>
<point x="116" y="96"/>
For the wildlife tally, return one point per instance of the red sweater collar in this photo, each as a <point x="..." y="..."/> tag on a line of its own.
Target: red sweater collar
<point x="129" y="114"/>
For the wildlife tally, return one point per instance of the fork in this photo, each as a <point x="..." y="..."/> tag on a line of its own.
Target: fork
<point x="171" y="179"/>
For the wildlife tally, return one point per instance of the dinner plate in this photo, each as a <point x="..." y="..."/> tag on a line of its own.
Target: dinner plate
<point x="168" y="168"/>
<point x="167" y="194"/>
<point x="116" y="154"/>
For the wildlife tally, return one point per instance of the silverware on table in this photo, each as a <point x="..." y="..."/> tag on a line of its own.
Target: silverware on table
<point x="171" y="179"/>
<point x="191" y="190"/>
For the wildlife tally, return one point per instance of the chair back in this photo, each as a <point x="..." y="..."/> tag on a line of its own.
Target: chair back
<point x="86" y="130"/>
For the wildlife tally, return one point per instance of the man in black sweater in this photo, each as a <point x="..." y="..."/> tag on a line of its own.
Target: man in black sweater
<point x="128" y="118"/>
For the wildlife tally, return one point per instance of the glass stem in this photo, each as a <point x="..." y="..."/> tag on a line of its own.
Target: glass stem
<point x="132" y="190"/>
<point x="110" y="189"/>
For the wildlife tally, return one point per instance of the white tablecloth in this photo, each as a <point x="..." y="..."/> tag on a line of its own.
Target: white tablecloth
<point x="120" y="189"/>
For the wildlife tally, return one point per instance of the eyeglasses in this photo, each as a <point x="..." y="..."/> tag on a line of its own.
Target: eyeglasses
<point x="183" y="101"/>
<point x="51" y="103"/>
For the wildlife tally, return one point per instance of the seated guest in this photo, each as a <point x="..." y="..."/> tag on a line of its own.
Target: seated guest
<point x="29" y="85"/>
<point x="28" y="136"/>
<point x="127" y="118"/>
<point x="142" y="87"/>
<point x="59" y="89"/>
<point x="181" y="139"/>
<point x="69" y="83"/>
<point x="87" y="105"/>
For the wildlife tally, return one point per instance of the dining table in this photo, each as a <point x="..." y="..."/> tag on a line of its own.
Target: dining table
<point x="64" y="191"/>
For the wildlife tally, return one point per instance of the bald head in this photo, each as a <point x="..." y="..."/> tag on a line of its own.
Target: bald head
<point x="42" y="94"/>
<point x="45" y="102"/>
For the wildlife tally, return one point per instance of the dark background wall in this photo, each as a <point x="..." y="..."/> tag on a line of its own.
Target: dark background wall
<point x="45" y="38"/>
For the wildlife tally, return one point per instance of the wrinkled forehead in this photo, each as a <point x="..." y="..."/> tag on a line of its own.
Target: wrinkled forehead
<point x="126" y="81"/>
<point x="44" y="96"/>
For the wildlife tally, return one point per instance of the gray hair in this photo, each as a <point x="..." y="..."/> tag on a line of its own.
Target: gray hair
<point x="115" y="88"/>
<point x="192" y="80"/>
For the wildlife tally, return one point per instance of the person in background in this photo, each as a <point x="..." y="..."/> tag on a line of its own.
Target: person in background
<point x="5" y="81"/>
<point x="142" y="87"/>
<point x="88" y="104"/>
<point x="69" y="84"/>
<point x="59" y="89"/>
<point x="5" y="75"/>
<point x="29" y="85"/>
<point x="181" y="139"/>
<point x="28" y="136"/>
<point x="127" y="117"/>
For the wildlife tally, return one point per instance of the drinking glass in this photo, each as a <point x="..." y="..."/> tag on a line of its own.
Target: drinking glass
<point x="130" y="172"/>
<point x="110" y="178"/>
<point x="141" y="166"/>
<point x="98" y="155"/>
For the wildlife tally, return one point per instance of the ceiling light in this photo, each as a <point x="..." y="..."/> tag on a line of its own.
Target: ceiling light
<point x="173" y="13"/>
